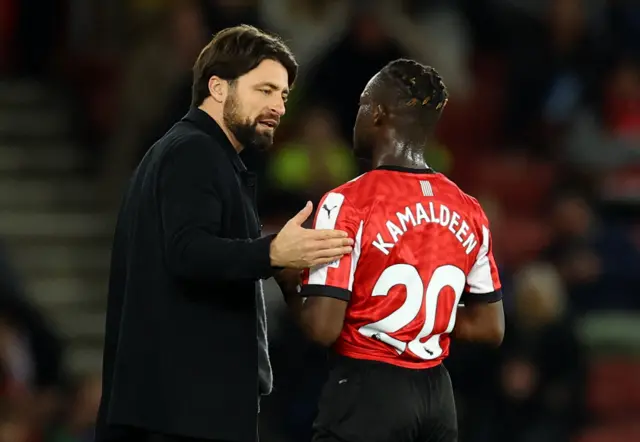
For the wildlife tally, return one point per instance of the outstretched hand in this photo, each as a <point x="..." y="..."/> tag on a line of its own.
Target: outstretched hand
<point x="297" y="248"/>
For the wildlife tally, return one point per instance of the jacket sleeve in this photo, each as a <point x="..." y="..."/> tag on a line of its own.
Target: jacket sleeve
<point x="191" y="213"/>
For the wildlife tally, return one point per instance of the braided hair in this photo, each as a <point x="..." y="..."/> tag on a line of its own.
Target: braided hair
<point x="415" y="90"/>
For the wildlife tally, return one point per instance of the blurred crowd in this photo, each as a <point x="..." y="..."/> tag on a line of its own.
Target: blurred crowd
<point x="543" y="126"/>
<point x="38" y="400"/>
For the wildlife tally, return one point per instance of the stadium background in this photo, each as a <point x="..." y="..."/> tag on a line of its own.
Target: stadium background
<point x="543" y="126"/>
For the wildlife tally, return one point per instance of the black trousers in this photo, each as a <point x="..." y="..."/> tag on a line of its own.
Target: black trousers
<point x="366" y="401"/>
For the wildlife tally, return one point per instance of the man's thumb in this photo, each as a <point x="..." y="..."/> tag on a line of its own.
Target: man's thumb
<point x="302" y="216"/>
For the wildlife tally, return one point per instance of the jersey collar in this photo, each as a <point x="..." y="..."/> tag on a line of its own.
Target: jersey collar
<point x="406" y="169"/>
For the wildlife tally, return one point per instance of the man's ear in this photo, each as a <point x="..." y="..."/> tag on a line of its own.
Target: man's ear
<point x="379" y="115"/>
<point x="218" y="88"/>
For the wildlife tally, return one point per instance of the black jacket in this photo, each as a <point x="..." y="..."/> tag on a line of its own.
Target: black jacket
<point x="182" y="335"/>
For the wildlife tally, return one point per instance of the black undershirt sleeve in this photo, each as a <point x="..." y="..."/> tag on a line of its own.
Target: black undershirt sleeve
<point x="325" y="291"/>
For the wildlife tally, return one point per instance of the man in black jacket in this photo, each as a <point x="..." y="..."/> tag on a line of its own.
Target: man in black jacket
<point x="186" y="351"/>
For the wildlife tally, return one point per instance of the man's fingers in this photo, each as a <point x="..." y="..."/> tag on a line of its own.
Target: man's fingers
<point x="335" y="253"/>
<point x="302" y="216"/>
<point x="326" y="234"/>
<point x="327" y="260"/>
<point x="330" y="243"/>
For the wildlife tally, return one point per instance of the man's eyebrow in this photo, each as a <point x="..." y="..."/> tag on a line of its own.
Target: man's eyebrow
<point x="273" y="86"/>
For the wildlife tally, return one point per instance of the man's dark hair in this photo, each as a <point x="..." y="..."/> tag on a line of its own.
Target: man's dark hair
<point x="235" y="51"/>
<point x="414" y="90"/>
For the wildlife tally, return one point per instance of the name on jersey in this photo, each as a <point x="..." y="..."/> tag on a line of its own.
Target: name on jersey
<point x="414" y="216"/>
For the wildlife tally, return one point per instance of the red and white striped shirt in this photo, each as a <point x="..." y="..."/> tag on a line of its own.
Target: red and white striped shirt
<point x="422" y="247"/>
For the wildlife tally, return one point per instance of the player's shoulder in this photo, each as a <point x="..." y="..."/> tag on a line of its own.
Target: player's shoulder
<point x="471" y="203"/>
<point x="350" y="189"/>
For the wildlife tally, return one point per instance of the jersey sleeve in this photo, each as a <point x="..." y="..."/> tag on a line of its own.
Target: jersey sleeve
<point x="483" y="281"/>
<point x="335" y="280"/>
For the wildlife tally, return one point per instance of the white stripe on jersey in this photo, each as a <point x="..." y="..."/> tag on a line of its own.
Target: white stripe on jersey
<point x="355" y="254"/>
<point x="326" y="219"/>
<point x="479" y="278"/>
<point x="329" y="211"/>
<point x="427" y="190"/>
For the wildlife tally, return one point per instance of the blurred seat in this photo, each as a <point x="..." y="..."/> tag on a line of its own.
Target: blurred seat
<point x="96" y="81"/>
<point x="618" y="432"/>
<point x="8" y="18"/>
<point x="613" y="389"/>
<point x="519" y="239"/>
<point x="478" y="115"/>
<point x="521" y="184"/>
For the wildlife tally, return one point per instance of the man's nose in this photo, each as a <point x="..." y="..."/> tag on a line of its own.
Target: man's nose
<point x="278" y="107"/>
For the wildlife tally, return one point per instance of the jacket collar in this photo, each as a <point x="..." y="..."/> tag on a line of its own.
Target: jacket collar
<point x="204" y="122"/>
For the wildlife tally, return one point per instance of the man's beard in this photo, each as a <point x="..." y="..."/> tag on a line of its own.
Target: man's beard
<point x="245" y="130"/>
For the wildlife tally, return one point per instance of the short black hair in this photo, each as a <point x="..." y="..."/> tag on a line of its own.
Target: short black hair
<point x="414" y="89"/>
<point x="235" y="51"/>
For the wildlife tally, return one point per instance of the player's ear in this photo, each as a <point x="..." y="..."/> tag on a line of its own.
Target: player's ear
<point x="379" y="114"/>
<point x="218" y="88"/>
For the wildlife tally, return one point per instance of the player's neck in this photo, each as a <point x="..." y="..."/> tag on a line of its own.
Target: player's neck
<point x="400" y="154"/>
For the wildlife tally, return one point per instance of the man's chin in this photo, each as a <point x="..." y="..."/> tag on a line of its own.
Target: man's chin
<point x="255" y="140"/>
<point x="261" y="142"/>
<point x="264" y="139"/>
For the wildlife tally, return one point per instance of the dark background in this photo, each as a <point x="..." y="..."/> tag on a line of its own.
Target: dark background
<point x="543" y="127"/>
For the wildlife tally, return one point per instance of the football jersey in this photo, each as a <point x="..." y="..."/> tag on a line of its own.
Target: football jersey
<point x="421" y="247"/>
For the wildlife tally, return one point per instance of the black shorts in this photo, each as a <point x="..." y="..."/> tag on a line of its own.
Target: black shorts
<point x="366" y="401"/>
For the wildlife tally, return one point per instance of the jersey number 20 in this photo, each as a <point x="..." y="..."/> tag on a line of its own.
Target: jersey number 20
<point x="417" y="298"/>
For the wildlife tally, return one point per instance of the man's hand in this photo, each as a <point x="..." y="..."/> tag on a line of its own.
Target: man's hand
<point x="297" y="248"/>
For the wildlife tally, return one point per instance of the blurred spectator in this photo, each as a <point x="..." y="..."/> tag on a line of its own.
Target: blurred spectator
<point x="554" y="68"/>
<point x="178" y="37"/>
<point x="541" y="367"/>
<point x="8" y="22"/>
<point x="625" y="24"/>
<point x="434" y="33"/>
<point x="605" y="143"/>
<point x="598" y="259"/>
<point x="39" y="28"/>
<point x="622" y="101"/>
<point x="15" y="425"/>
<point x="41" y="359"/>
<point x="314" y="162"/>
<point x="616" y="140"/>
<point x="30" y="359"/>
<point x="157" y="65"/>
<point x="340" y="76"/>
<point x="308" y="26"/>
<point x="79" y="416"/>
<point x="196" y="28"/>
<point x="15" y="361"/>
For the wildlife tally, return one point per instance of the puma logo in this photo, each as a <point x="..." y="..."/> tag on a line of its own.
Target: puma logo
<point x="325" y="207"/>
